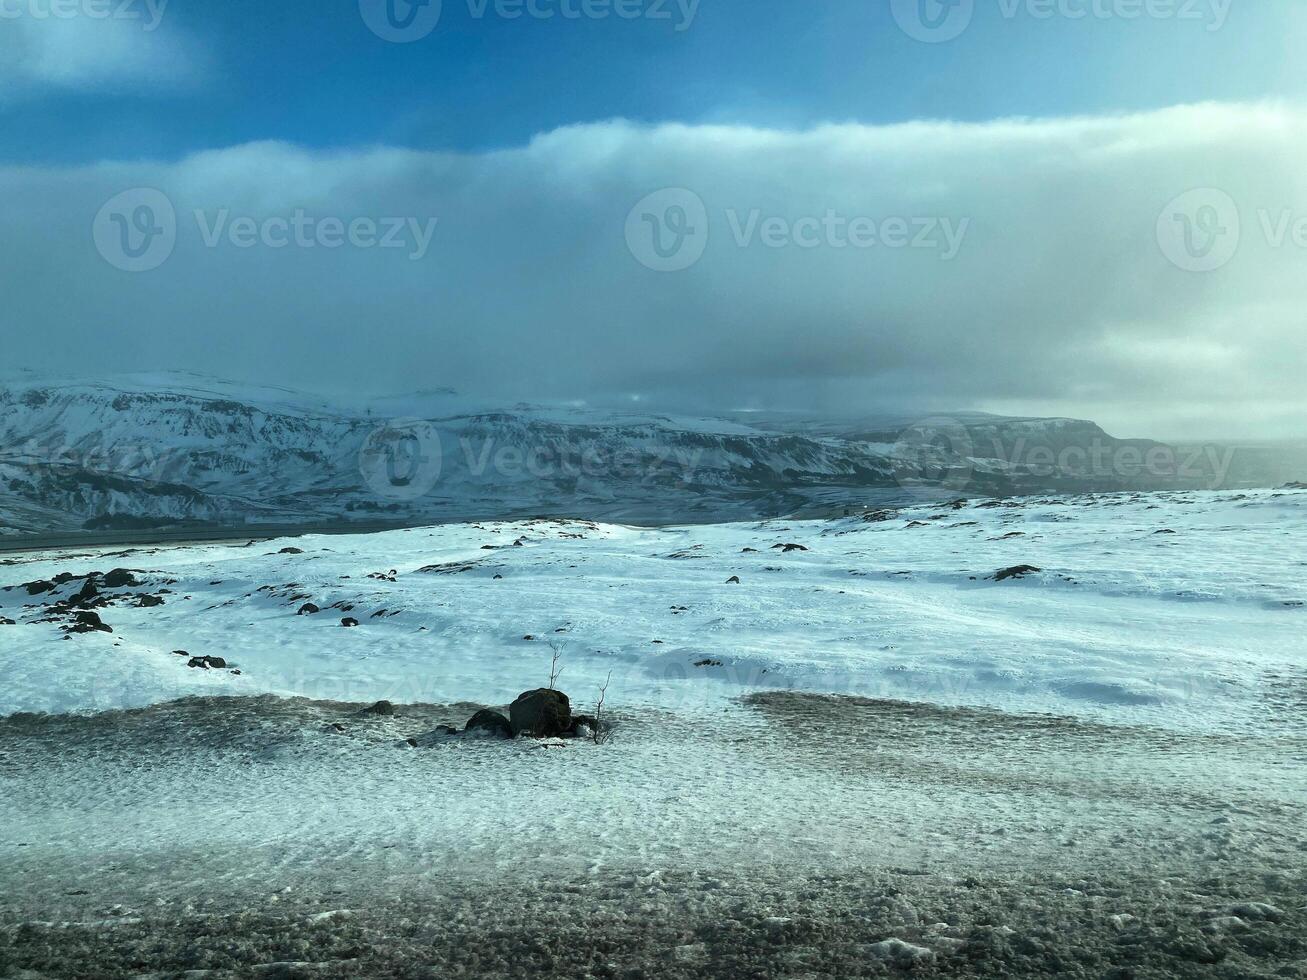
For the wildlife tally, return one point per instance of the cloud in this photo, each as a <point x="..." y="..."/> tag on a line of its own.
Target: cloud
<point x="1020" y="265"/>
<point x="93" y="45"/>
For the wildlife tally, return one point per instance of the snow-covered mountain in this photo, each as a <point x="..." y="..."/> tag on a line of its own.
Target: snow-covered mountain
<point x="151" y="451"/>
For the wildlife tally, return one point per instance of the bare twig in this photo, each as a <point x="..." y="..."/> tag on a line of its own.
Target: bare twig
<point x="554" y="669"/>
<point x="599" y="735"/>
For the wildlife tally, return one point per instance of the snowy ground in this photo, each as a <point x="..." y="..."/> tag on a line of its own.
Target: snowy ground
<point x="882" y="743"/>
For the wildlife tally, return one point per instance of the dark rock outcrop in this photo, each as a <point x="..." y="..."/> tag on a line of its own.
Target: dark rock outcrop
<point x="489" y="722"/>
<point x="542" y="713"/>
<point x="349" y="621"/>
<point x="207" y="663"/>
<point x="382" y="709"/>
<point x="308" y="609"/>
<point x="1016" y="571"/>
<point x="87" y="622"/>
<point x="87" y="594"/>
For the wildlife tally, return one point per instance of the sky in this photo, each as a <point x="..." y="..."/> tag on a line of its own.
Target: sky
<point x="1092" y="208"/>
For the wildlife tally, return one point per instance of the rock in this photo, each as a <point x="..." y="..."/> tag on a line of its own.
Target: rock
<point x="291" y="551"/>
<point x="39" y="587"/>
<point x="87" y="622"/>
<point x="899" y="953"/>
<point x="542" y="713"/>
<point x="1016" y="571"/>
<point x="120" y="578"/>
<point x="789" y="547"/>
<point x="1255" y="912"/>
<point x="149" y="601"/>
<point x="88" y="593"/>
<point x="583" y="726"/>
<point x="382" y="708"/>
<point x="489" y="722"/>
<point x="349" y="621"/>
<point x="308" y="609"/>
<point x="207" y="663"/>
<point x="733" y="580"/>
<point x="7" y="622"/>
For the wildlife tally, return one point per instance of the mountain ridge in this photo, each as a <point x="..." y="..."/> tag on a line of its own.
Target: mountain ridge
<point x="177" y="449"/>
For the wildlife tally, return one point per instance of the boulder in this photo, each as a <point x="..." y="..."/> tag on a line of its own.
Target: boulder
<point x="119" y="578"/>
<point x="207" y="663"/>
<point x="39" y="587"/>
<point x="489" y="722"/>
<point x="146" y="601"/>
<point x="542" y="713"/>
<point x="308" y="609"/>
<point x="583" y="726"/>
<point x="1016" y="571"/>
<point x="382" y="708"/>
<point x="87" y="622"/>
<point x="7" y="622"/>
<point x="349" y="621"/>
<point x="733" y="580"/>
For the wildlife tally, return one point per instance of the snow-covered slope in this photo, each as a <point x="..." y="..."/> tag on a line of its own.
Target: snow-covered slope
<point x="1173" y="609"/>
<point x="1148" y="820"/>
<point x="179" y="449"/>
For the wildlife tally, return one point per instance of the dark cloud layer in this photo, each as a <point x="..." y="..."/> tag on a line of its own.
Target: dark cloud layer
<point x="1023" y="266"/>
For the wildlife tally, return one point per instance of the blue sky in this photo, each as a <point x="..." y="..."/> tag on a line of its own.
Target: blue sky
<point x="310" y="72"/>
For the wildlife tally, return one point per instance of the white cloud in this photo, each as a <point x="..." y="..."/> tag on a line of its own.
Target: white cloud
<point x="92" y="45"/>
<point x="1060" y="298"/>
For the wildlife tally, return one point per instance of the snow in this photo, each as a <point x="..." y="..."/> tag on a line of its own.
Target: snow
<point x="1195" y="630"/>
<point x="1130" y="766"/>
